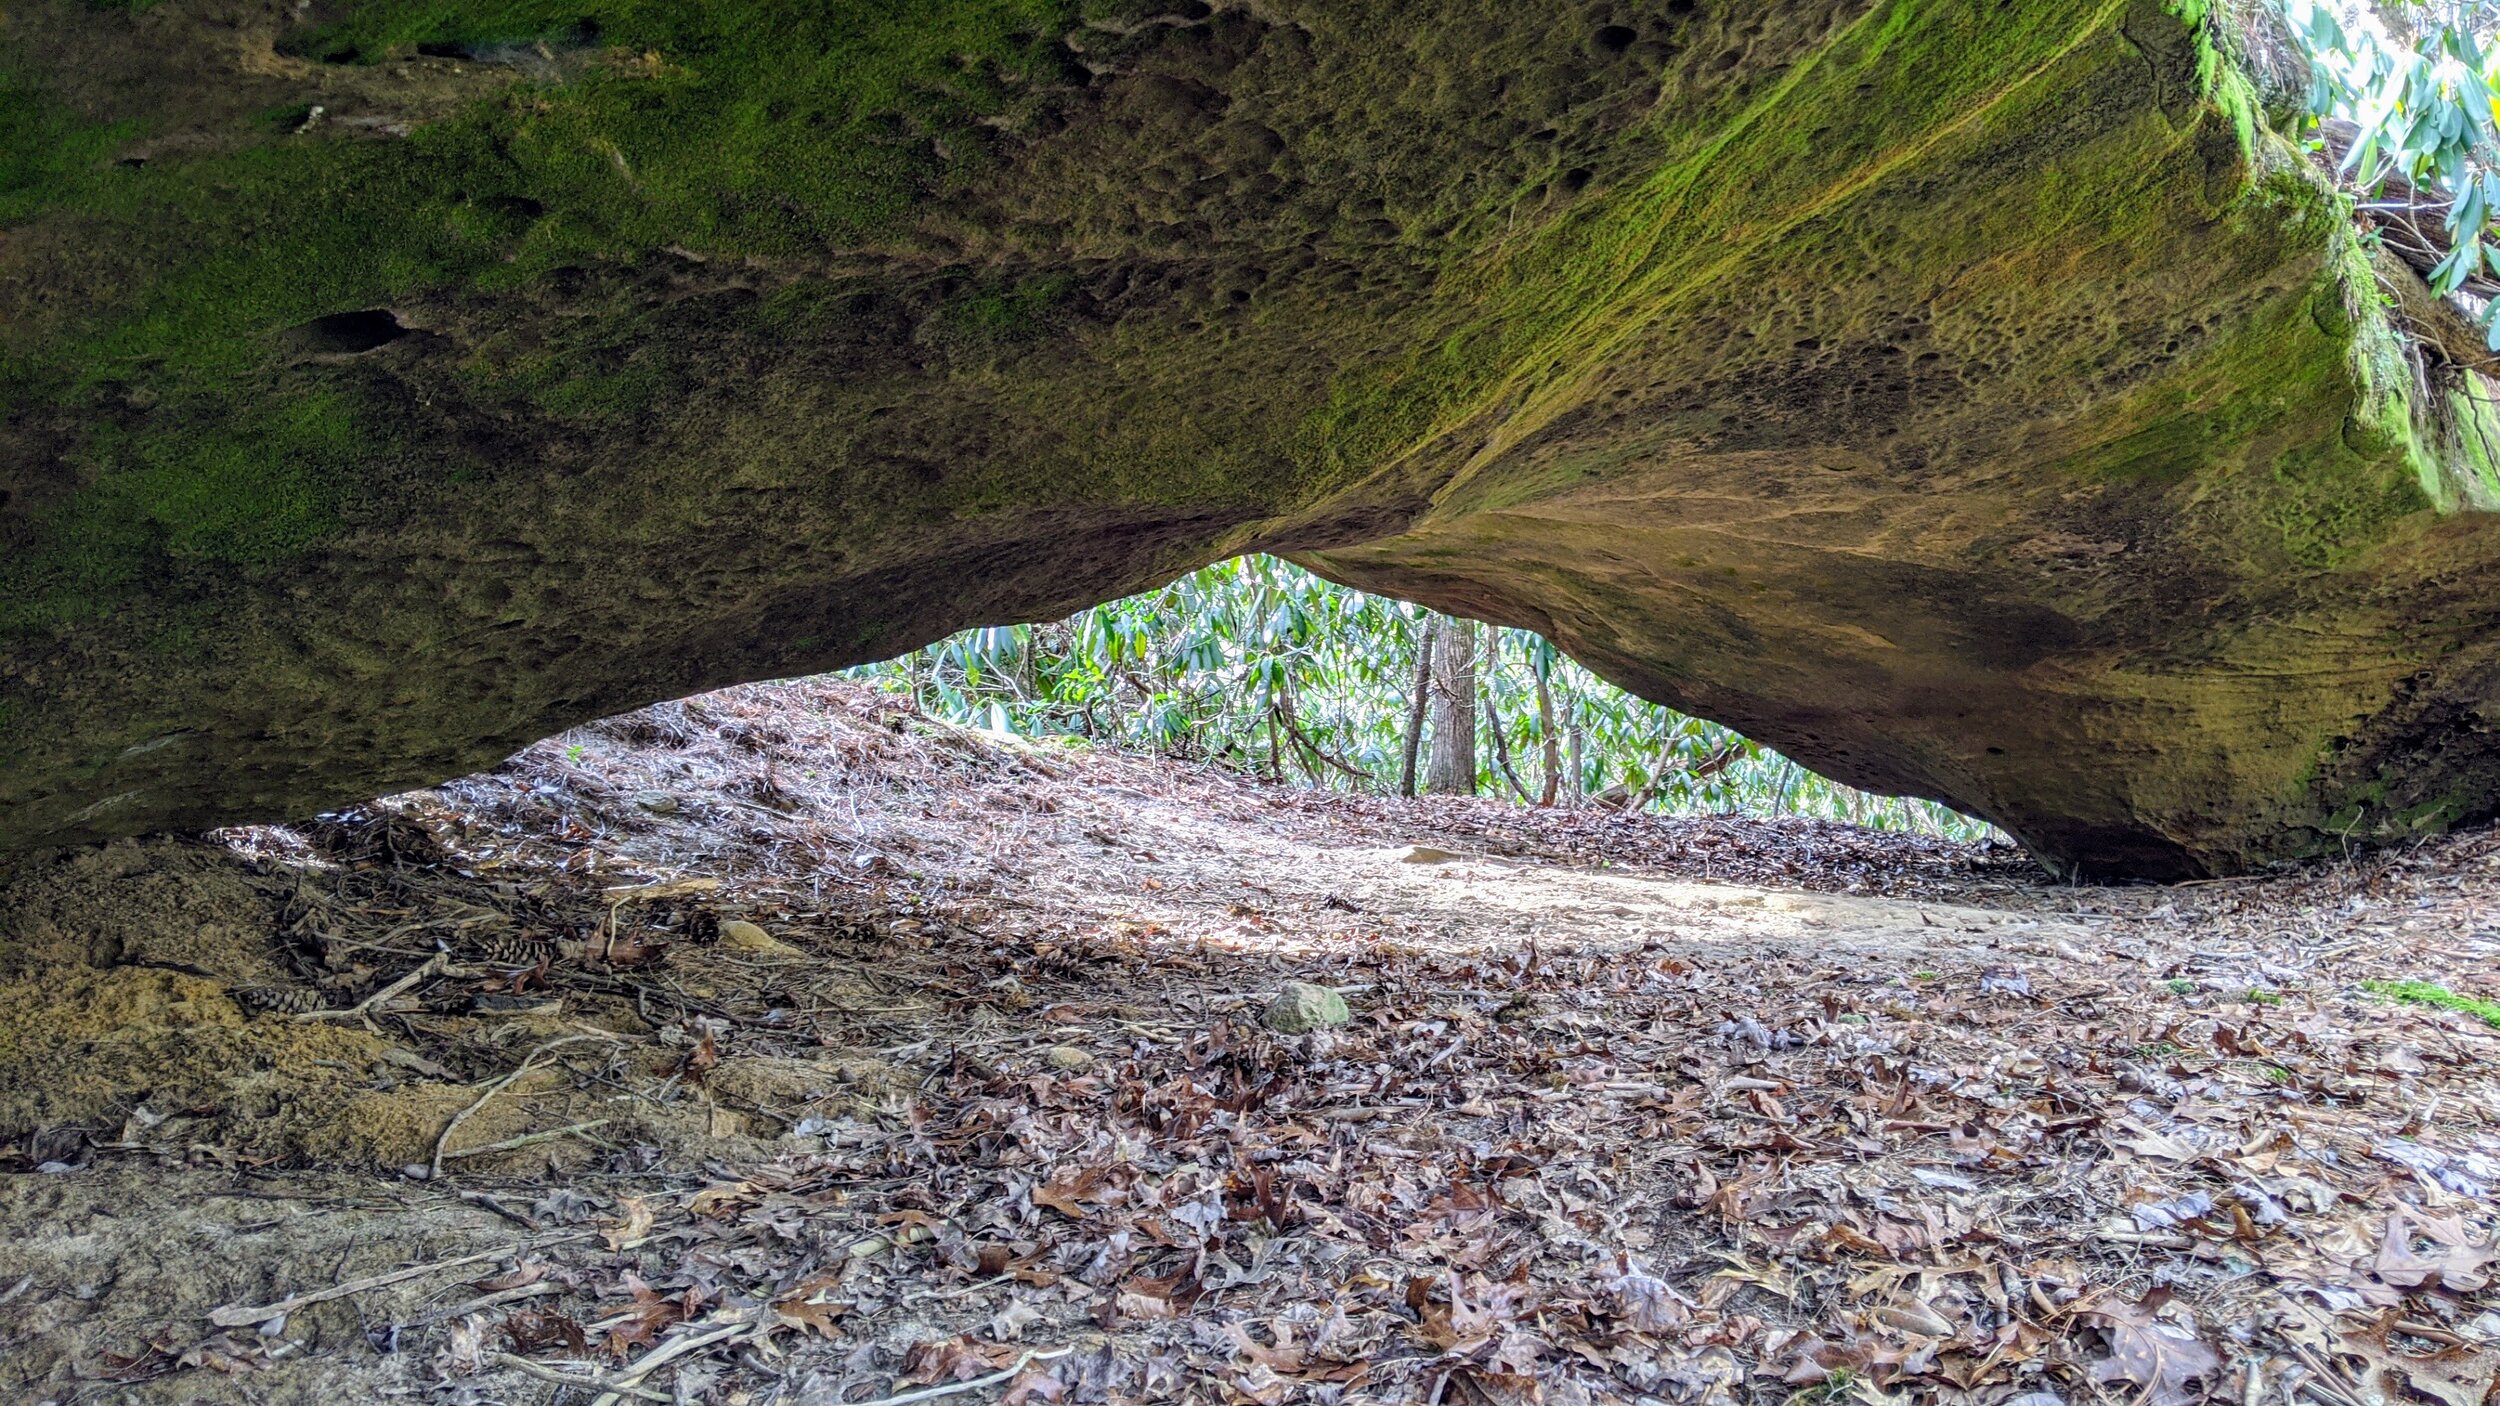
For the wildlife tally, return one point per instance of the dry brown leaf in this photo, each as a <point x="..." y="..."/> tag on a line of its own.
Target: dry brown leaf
<point x="2452" y="1261"/>
<point x="810" y="1307"/>
<point x="721" y="1194"/>
<point x="2458" y="1376"/>
<point x="633" y="1223"/>
<point x="2161" y="1357"/>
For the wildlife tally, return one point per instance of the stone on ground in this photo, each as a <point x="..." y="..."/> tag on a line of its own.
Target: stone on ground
<point x="1300" y="1008"/>
<point x="739" y="935"/>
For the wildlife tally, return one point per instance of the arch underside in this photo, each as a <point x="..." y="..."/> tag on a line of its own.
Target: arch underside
<point x="1974" y="404"/>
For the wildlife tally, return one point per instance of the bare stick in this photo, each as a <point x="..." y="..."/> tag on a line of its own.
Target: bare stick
<point x="429" y="967"/>
<point x="496" y="1299"/>
<point x="932" y="1393"/>
<point x="480" y="1198"/>
<point x="546" y="1373"/>
<point x="617" y="1385"/>
<point x="530" y="1061"/>
<point x="527" y="1140"/>
<point x="240" y="1315"/>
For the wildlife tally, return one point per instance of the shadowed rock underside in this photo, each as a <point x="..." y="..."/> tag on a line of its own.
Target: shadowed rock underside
<point x="1977" y="401"/>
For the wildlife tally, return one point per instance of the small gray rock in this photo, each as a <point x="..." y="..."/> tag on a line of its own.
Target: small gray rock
<point x="1300" y="1008"/>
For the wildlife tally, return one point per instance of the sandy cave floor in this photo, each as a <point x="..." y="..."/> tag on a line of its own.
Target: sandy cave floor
<point x="780" y="1046"/>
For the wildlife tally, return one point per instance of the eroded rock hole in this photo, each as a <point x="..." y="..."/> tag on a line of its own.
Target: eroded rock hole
<point x="348" y="333"/>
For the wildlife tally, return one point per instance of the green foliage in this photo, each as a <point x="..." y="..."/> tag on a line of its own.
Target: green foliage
<point x="2431" y="993"/>
<point x="2423" y="104"/>
<point x="1257" y="664"/>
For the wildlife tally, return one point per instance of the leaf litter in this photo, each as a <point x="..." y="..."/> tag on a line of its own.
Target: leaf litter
<point x="900" y="1058"/>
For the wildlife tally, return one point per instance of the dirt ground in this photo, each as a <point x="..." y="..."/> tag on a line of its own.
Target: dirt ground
<point x="779" y="1046"/>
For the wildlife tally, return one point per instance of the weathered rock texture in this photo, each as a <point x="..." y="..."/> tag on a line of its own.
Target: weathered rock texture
<point x="1972" y="398"/>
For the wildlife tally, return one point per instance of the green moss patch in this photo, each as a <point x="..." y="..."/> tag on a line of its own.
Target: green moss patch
<point x="767" y="129"/>
<point x="194" y="484"/>
<point x="762" y="126"/>
<point x="2431" y="993"/>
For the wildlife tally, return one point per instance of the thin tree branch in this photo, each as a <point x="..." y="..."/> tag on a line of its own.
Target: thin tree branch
<point x="1423" y="700"/>
<point x="434" y="1169"/>
<point x="932" y="1393"/>
<point x="1501" y="748"/>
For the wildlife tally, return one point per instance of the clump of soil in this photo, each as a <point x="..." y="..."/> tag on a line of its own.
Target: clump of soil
<point x="195" y="993"/>
<point x="185" y="905"/>
<point x="94" y="1050"/>
<point x="119" y="974"/>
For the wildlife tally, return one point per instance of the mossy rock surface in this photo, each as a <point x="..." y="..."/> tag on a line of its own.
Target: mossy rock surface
<point x="1974" y="400"/>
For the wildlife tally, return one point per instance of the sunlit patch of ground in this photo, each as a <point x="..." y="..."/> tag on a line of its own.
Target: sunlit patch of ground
<point x="778" y="1046"/>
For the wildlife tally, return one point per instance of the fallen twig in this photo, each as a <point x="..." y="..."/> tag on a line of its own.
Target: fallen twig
<point x="528" y="1062"/>
<point x="546" y="1373"/>
<point x="524" y="1140"/>
<point x="617" y="1385"/>
<point x="358" y="1011"/>
<point x="243" y="1315"/>
<point x="931" y="1393"/>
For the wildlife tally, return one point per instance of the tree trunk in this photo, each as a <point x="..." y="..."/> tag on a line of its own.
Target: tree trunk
<point x="1492" y="672"/>
<point x="1501" y="750"/>
<point x="1423" y="698"/>
<point x="1545" y="729"/>
<point x="1453" y="768"/>
<point x="1578" y="758"/>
